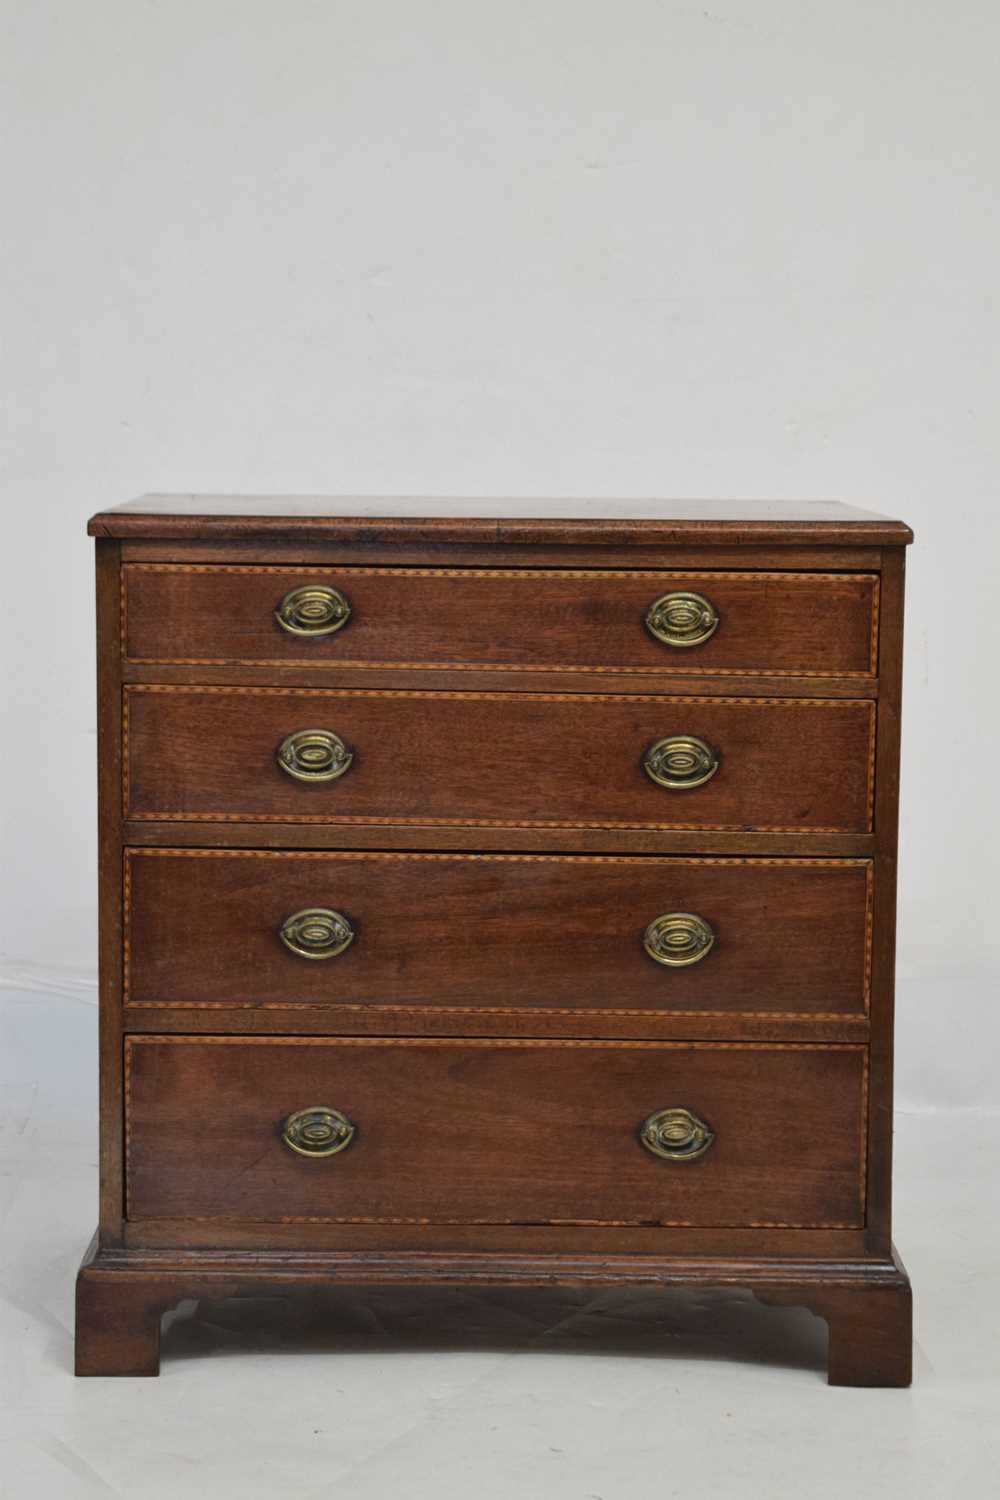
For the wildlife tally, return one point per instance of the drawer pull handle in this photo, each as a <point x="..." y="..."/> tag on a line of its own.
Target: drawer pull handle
<point x="317" y="1131"/>
<point x="316" y="932"/>
<point x="680" y="762"/>
<point x="678" y="938"/>
<point x="313" y="610"/>
<point x="676" y="1135"/>
<point x="682" y="619"/>
<point x="314" y="755"/>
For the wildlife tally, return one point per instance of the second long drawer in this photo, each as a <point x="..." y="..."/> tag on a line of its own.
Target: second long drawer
<point x="659" y="935"/>
<point x="513" y="759"/>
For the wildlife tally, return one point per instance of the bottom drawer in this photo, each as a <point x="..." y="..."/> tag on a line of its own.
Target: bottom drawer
<point x="495" y="1132"/>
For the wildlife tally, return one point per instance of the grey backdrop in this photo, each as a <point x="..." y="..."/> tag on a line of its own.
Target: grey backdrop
<point x="518" y="249"/>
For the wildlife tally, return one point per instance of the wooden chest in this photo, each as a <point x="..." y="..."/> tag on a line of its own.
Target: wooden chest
<point x="494" y="900"/>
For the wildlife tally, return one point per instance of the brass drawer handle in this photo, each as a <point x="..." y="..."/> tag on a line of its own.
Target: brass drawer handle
<point x="314" y="755"/>
<point x="676" y="1135"/>
<point x="682" y="619"/>
<point x="317" y="1131"/>
<point x="316" y="932"/>
<point x="678" y="938"/>
<point x="313" y="610"/>
<point x="680" y="762"/>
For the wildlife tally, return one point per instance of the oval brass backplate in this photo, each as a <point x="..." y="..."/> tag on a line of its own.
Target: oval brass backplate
<point x="680" y="762"/>
<point x="316" y="932"/>
<point x="676" y="1135"/>
<point x="314" y="755"/>
<point x="317" y="1131"/>
<point x="682" y="619"/>
<point x="314" y="609"/>
<point x="678" y="938"/>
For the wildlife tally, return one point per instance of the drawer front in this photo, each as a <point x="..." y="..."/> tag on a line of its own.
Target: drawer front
<point x="719" y="936"/>
<point x="507" y="759"/>
<point x="487" y="1132"/>
<point x="795" y="623"/>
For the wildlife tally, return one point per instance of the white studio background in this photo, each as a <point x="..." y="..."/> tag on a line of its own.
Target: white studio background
<point x="747" y="249"/>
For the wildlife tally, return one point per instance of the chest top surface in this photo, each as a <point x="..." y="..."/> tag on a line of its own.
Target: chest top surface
<point x="352" y="517"/>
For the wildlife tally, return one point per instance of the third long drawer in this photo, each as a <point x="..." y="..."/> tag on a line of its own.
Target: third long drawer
<point x="650" y="934"/>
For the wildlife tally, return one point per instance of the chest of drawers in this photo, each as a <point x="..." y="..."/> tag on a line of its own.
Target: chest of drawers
<point x="495" y="900"/>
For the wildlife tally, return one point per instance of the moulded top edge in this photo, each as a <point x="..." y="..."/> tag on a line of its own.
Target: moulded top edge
<point x="581" y="522"/>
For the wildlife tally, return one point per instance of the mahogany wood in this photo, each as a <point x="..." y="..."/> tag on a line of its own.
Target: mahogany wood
<point x="884" y="936"/>
<point x="515" y="931"/>
<point x="292" y="1018"/>
<point x="509" y="758"/>
<point x="121" y="1298"/>
<point x="110" y="887"/>
<point x="871" y="1325"/>
<point x="498" y="728"/>
<point x="152" y="833"/>
<point x="575" y="522"/>
<point x="287" y="550"/>
<point x="800" y="624"/>
<point x="554" y="1240"/>
<point x="506" y="679"/>
<point x="489" y="1132"/>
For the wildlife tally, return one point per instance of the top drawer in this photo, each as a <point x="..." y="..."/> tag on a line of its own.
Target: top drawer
<point x="799" y="624"/>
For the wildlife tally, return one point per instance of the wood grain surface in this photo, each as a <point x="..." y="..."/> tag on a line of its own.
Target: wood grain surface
<point x="498" y="521"/>
<point x="484" y="931"/>
<point x="495" y="1132"/>
<point x="495" y="1030"/>
<point x="544" y="760"/>
<point x="122" y="1295"/>
<point x="567" y="621"/>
